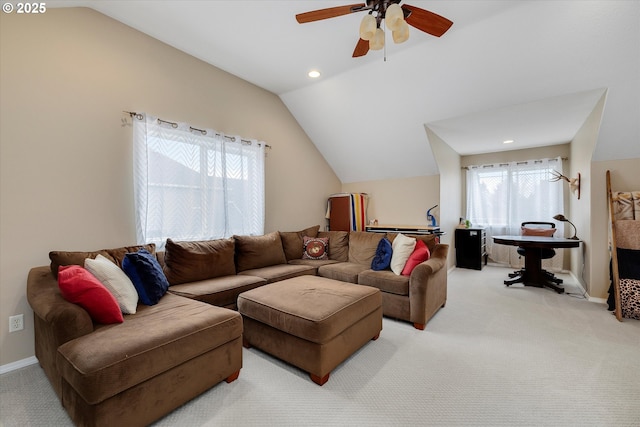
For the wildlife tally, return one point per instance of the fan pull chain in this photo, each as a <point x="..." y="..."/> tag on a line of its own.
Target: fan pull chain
<point x="384" y="24"/>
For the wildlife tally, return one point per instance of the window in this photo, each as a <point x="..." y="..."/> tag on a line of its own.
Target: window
<point x="502" y="196"/>
<point x="195" y="184"/>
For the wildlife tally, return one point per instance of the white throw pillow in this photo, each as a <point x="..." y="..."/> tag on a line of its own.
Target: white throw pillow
<point x="402" y="247"/>
<point x="116" y="281"/>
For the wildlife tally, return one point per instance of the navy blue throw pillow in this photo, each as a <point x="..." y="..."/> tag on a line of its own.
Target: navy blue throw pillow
<point x="382" y="259"/>
<point x="147" y="276"/>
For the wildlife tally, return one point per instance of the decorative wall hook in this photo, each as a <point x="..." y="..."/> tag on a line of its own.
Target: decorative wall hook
<point x="574" y="183"/>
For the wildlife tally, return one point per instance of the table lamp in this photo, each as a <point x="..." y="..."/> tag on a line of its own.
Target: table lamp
<point x="563" y="218"/>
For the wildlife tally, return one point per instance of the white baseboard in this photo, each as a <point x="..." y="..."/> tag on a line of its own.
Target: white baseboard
<point x="18" y="364"/>
<point x="585" y="293"/>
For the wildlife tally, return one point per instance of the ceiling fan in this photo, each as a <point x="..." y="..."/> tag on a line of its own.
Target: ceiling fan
<point x="397" y="18"/>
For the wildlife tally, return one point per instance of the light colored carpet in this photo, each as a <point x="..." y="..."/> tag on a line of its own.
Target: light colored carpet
<point x="494" y="356"/>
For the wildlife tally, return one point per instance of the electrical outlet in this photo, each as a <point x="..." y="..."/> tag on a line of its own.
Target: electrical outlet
<point x="16" y="323"/>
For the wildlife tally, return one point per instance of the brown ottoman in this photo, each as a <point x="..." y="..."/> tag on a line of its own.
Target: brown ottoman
<point x="311" y="322"/>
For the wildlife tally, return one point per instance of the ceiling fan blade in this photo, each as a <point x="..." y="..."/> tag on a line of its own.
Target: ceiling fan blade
<point x="362" y="48"/>
<point x="331" y="12"/>
<point x="426" y="21"/>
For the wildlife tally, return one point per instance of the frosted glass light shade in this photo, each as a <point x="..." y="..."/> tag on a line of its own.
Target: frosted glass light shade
<point x="393" y="17"/>
<point x="368" y="27"/>
<point x="401" y="35"/>
<point x="377" y="42"/>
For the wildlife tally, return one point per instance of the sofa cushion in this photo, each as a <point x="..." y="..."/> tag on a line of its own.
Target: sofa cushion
<point x="116" y="281"/>
<point x="292" y="241"/>
<point x="275" y="273"/>
<point x="315" y="247"/>
<point x="220" y="291"/>
<point x="147" y="276"/>
<point x="402" y="246"/>
<point x="259" y="251"/>
<point x="382" y="259"/>
<point x="343" y="271"/>
<point x="362" y="247"/>
<point x="116" y="255"/>
<point x="386" y="280"/>
<point x="79" y="286"/>
<point x="338" y="244"/>
<point x="186" y="262"/>
<point x="315" y="263"/>
<point x="420" y="254"/>
<point x="185" y="329"/>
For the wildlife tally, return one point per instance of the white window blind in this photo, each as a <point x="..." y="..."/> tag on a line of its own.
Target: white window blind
<point x="192" y="184"/>
<point x="502" y="196"/>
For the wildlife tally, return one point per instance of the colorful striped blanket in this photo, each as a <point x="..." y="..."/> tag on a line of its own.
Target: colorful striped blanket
<point x="358" y="211"/>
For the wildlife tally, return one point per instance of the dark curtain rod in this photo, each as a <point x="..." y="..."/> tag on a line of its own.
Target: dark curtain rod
<point x="174" y="125"/>
<point x="507" y="164"/>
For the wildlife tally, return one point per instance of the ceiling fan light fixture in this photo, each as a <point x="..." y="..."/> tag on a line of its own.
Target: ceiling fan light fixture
<point x="368" y="27"/>
<point x="401" y="35"/>
<point x="377" y="42"/>
<point x="387" y="13"/>
<point x="394" y="17"/>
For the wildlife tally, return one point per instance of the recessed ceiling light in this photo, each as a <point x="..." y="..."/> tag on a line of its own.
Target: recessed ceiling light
<point x="508" y="141"/>
<point x="314" y="74"/>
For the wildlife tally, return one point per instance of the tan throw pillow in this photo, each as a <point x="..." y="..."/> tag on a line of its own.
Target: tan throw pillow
<point x="259" y="251"/>
<point x="431" y="240"/>
<point x="338" y="244"/>
<point x="402" y="247"/>
<point x="363" y="246"/>
<point x="292" y="241"/>
<point x="186" y="262"/>
<point x="545" y="232"/>
<point x="116" y="255"/>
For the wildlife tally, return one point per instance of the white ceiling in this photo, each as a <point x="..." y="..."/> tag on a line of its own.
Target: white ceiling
<point x="531" y="71"/>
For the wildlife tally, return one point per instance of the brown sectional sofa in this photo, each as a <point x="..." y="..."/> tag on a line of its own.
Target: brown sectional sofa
<point x="135" y="372"/>
<point x="415" y="298"/>
<point x="164" y="355"/>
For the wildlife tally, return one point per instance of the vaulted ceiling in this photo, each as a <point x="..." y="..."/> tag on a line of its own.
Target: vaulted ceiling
<point x="530" y="71"/>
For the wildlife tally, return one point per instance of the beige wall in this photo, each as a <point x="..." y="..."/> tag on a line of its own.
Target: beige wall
<point x="65" y="152"/>
<point x="399" y="201"/>
<point x="450" y="191"/>
<point x="582" y="148"/>
<point x="625" y="176"/>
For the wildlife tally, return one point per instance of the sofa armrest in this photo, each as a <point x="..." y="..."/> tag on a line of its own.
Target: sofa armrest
<point x="64" y="320"/>
<point x="428" y="286"/>
<point x="55" y="321"/>
<point x="436" y="261"/>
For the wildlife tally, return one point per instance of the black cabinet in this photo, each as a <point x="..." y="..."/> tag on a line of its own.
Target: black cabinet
<point x="471" y="247"/>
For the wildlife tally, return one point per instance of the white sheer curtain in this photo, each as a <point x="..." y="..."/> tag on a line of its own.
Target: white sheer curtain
<point x="192" y="184"/>
<point x="502" y="196"/>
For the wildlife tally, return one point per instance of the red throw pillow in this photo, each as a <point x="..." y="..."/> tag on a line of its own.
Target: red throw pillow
<point x="420" y="254"/>
<point x="80" y="287"/>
